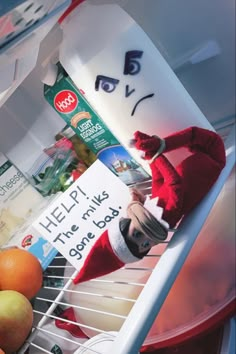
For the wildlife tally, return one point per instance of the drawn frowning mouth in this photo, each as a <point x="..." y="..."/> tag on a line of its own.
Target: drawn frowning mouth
<point x="141" y="99"/>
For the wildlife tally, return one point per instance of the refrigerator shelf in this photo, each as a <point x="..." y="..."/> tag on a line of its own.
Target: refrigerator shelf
<point x="55" y="327"/>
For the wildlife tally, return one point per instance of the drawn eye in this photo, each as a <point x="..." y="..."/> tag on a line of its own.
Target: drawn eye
<point x="108" y="84"/>
<point x="132" y="65"/>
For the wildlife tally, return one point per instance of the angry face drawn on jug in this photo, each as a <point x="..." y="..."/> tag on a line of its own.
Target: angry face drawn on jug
<point x="132" y="67"/>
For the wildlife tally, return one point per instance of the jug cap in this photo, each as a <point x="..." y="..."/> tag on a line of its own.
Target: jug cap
<point x="74" y="4"/>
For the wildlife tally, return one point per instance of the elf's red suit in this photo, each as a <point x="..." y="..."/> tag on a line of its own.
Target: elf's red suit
<point x="179" y="189"/>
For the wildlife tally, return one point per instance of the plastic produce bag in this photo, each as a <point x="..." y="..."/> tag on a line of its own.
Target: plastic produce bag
<point x="56" y="168"/>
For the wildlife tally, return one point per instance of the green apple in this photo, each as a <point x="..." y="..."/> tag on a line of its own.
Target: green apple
<point x="16" y="320"/>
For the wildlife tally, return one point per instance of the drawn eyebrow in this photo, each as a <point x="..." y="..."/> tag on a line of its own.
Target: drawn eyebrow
<point x="132" y="66"/>
<point x="141" y="99"/>
<point x="102" y="78"/>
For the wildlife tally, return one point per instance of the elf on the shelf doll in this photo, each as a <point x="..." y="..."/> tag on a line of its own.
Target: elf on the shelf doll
<point x="175" y="192"/>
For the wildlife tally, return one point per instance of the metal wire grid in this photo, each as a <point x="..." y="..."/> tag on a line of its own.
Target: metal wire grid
<point x="50" y="314"/>
<point x="58" y="283"/>
<point x="138" y="322"/>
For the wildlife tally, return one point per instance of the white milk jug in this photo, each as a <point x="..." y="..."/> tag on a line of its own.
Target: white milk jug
<point x="123" y="75"/>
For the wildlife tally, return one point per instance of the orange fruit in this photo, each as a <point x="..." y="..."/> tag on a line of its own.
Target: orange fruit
<point x="21" y="271"/>
<point x="1" y="351"/>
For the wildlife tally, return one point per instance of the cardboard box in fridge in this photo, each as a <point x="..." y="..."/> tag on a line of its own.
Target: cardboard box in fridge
<point x="29" y="239"/>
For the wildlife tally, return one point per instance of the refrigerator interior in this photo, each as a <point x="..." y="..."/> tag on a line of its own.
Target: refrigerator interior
<point x="197" y="40"/>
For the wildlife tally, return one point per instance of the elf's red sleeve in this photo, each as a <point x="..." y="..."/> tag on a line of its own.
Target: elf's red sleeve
<point x="196" y="174"/>
<point x="197" y="139"/>
<point x="170" y="191"/>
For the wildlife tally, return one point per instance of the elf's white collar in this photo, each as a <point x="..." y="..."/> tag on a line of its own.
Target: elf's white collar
<point x="155" y="210"/>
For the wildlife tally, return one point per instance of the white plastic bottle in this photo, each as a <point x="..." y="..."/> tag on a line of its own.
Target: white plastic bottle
<point x="123" y="75"/>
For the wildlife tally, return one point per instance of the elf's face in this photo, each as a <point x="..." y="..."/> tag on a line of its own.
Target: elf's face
<point x="142" y="242"/>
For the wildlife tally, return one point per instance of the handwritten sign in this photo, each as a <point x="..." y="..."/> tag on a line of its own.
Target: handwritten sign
<point x="77" y="218"/>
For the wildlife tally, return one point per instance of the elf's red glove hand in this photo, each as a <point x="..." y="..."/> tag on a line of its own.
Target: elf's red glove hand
<point x="150" y="145"/>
